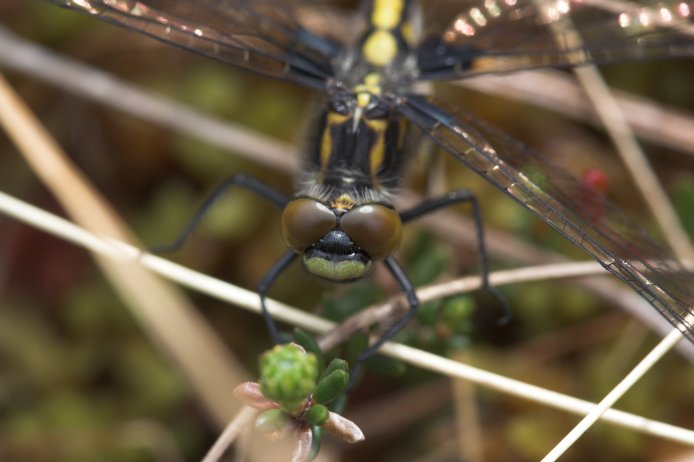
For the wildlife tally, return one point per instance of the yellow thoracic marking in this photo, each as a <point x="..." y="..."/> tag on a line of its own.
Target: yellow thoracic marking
<point x="386" y="14"/>
<point x="363" y="98"/>
<point x="326" y="145"/>
<point x="380" y="48"/>
<point x="377" y="150"/>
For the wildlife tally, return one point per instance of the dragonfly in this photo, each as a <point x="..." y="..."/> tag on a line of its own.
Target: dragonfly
<point x="341" y="221"/>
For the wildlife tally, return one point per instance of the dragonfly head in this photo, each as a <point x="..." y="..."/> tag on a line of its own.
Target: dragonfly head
<point x="337" y="244"/>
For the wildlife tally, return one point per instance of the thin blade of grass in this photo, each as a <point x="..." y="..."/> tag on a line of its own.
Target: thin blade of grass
<point x="164" y="313"/>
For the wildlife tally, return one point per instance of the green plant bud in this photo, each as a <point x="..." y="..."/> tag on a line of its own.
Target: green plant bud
<point x="336" y="364"/>
<point x="331" y="386"/>
<point x="317" y="415"/>
<point x="288" y="375"/>
<point x="309" y="343"/>
<point x="428" y="312"/>
<point x="272" y="421"/>
<point x="457" y="310"/>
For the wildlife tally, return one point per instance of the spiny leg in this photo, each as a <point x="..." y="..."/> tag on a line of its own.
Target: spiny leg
<point x="412" y="301"/>
<point x="264" y="286"/>
<point x="261" y="189"/>
<point x="456" y="197"/>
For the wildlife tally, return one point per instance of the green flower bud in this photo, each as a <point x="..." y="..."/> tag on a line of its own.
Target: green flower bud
<point x="457" y="311"/>
<point x="288" y="375"/>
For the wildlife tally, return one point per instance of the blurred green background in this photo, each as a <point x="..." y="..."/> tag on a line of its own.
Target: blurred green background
<point x="79" y="381"/>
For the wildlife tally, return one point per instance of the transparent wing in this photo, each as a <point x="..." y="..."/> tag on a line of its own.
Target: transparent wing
<point x="582" y="215"/>
<point x="264" y="36"/>
<point x="465" y="37"/>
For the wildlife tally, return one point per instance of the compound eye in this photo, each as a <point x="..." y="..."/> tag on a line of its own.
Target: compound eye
<point x="305" y="221"/>
<point x="375" y="228"/>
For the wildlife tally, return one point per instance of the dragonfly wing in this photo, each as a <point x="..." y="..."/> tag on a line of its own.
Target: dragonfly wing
<point x="264" y="36"/>
<point x="467" y="38"/>
<point x="581" y="214"/>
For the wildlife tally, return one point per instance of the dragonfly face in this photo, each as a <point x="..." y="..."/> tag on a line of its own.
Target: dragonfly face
<point x="340" y="241"/>
<point x="358" y="152"/>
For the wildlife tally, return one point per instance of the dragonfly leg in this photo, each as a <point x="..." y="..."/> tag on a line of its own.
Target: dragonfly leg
<point x="412" y="301"/>
<point x="241" y="181"/>
<point x="459" y="196"/>
<point x="264" y="286"/>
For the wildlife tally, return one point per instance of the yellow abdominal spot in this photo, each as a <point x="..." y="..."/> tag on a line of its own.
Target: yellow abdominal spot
<point x="380" y="48"/>
<point x="386" y="13"/>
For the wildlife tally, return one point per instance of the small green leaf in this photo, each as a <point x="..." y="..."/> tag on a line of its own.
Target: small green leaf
<point x="339" y="404"/>
<point x="309" y="343"/>
<point x="336" y="364"/>
<point x="356" y="344"/>
<point x="385" y="366"/>
<point x="331" y="386"/>
<point x="428" y="312"/>
<point x="317" y="415"/>
<point x="315" y="442"/>
<point x="457" y="311"/>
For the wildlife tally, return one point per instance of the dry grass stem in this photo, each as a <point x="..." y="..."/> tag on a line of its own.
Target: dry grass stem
<point x="633" y="157"/>
<point x="560" y="93"/>
<point x="161" y="309"/>
<point x="635" y="160"/>
<point x="240" y="421"/>
<point x="468" y="424"/>
<point x="91" y="83"/>
<point x="249" y="300"/>
<point x="613" y="396"/>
